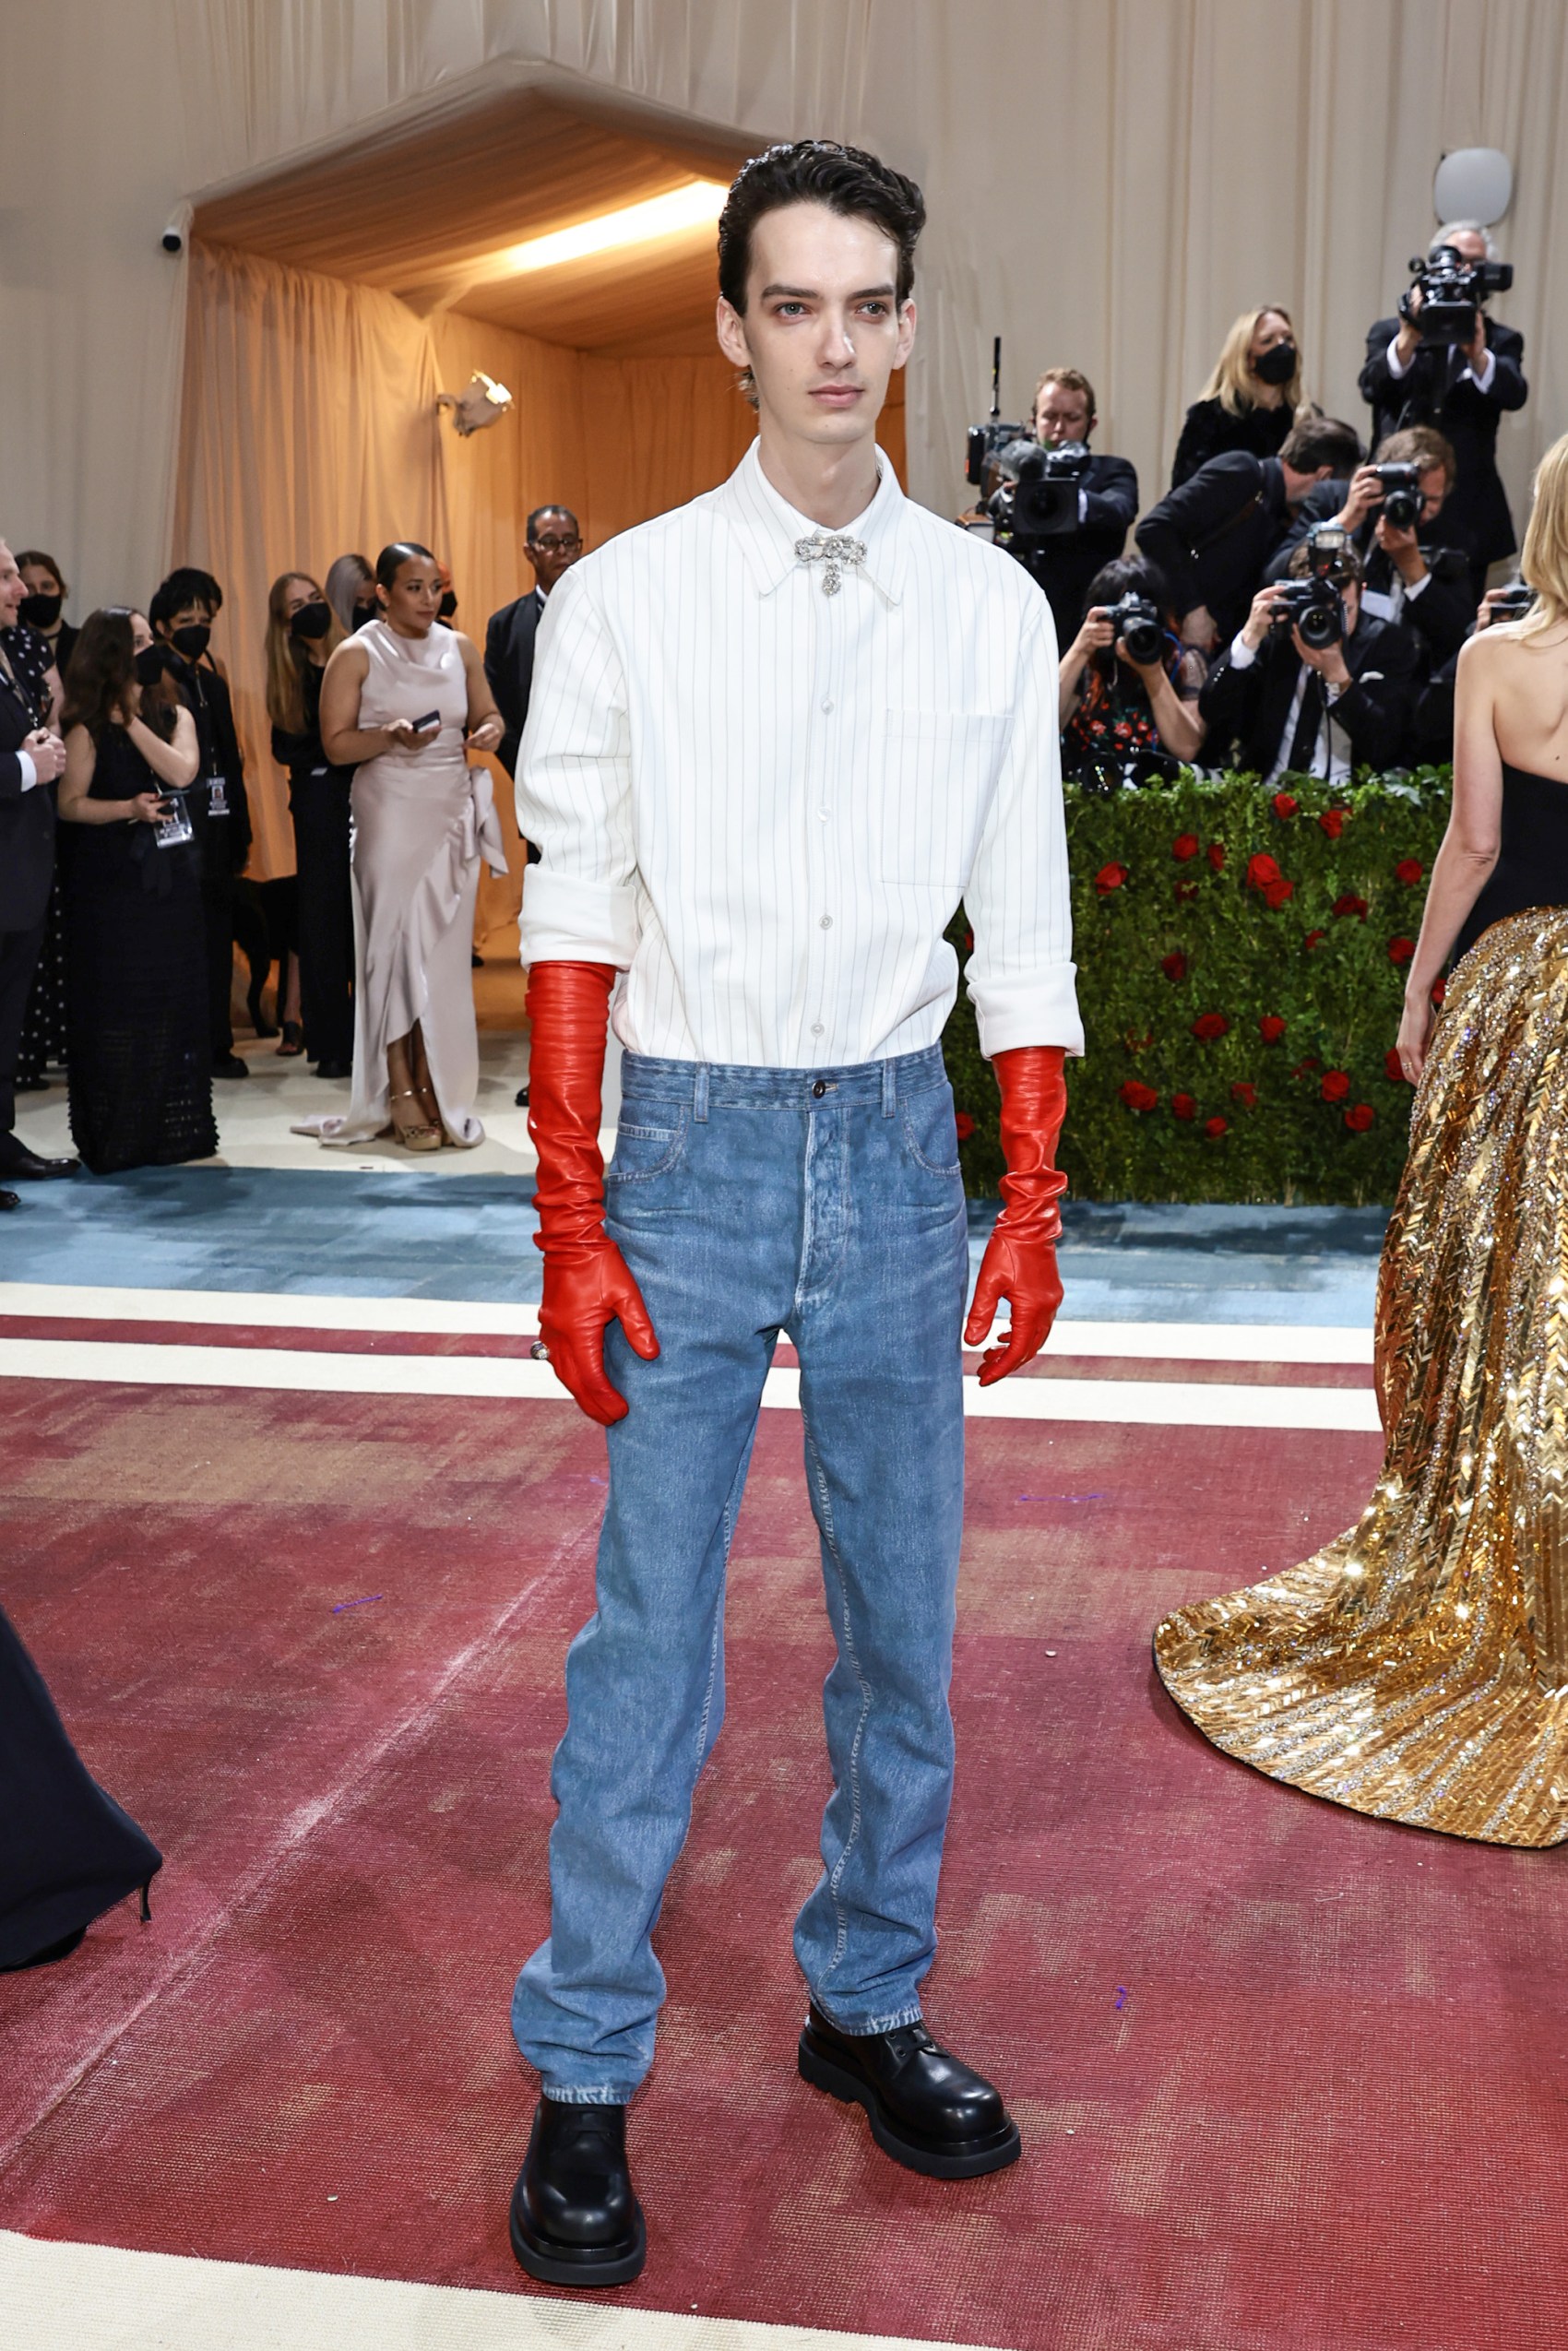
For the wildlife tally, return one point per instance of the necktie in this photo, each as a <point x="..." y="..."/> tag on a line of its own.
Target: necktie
<point x="1303" y="743"/>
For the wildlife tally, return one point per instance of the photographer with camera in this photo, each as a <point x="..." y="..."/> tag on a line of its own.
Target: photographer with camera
<point x="1128" y="687"/>
<point x="1092" y="530"/>
<point x="1311" y="685"/>
<point x="1213" y="537"/>
<point x="1443" y="361"/>
<point x="1390" y="510"/>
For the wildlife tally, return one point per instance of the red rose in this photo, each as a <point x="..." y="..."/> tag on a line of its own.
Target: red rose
<point x="1108" y="878"/>
<point x="1333" y="822"/>
<point x="1261" y="871"/>
<point x="1246" y="1095"/>
<point x="1284" y="806"/>
<point x="1335" y="1087"/>
<point x="1350" y="904"/>
<point x="1185" y="890"/>
<point x="1216" y="855"/>
<point x="1271" y="1028"/>
<point x="1277" y="892"/>
<point x="1401" y="950"/>
<point x="1210" y="1025"/>
<point x="1393" y="1068"/>
<point x="965" y="1125"/>
<point x="968" y="943"/>
<point x="1174" y="966"/>
<point x="1439" y="989"/>
<point x="1315" y="939"/>
<point x="1184" y="845"/>
<point x="1408" y="871"/>
<point x="1182" y="1106"/>
<point x="1215" y="1128"/>
<point x="1359" y="1117"/>
<point x="1138" y="1096"/>
<point x="1303" y="1069"/>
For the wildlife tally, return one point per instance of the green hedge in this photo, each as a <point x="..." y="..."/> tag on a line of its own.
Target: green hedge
<point x="1201" y="910"/>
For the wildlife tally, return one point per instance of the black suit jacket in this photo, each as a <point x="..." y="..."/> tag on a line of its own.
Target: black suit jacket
<point x="1064" y="566"/>
<point x="26" y="824"/>
<point x="1213" y="536"/>
<point x="225" y="841"/>
<point x="1441" y="617"/>
<point x="1248" y="708"/>
<point x="508" y="665"/>
<point x="1210" y="428"/>
<point x="1476" y="516"/>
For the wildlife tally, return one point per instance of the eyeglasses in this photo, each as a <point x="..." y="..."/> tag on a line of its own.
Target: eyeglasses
<point x="556" y="546"/>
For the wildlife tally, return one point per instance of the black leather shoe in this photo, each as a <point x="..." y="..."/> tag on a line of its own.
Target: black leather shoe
<point x="575" y="2220"/>
<point x="334" y="1069"/>
<point x="18" y="1164"/>
<point x="231" y="1066"/>
<point x="926" y="2110"/>
<point x="521" y="1097"/>
<point x="10" y="1200"/>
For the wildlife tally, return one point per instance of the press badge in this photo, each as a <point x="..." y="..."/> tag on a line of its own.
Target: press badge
<point x="218" y="796"/>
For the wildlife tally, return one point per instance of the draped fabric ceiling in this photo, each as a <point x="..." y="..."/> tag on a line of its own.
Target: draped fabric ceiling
<point x="1107" y="184"/>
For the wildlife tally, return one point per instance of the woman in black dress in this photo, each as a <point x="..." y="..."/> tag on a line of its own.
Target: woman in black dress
<point x="138" y="1053"/>
<point x="68" y="1852"/>
<point x="301" y="633"/>
<point x="1250" y="400"/>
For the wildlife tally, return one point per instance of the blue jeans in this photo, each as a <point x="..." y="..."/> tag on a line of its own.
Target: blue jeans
<point x="747" y="1202"/>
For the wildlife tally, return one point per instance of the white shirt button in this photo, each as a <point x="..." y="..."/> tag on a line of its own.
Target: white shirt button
<point x="827" y="922"/>
<point x="827" y="706"/>
<point x="816" y="1028"/>
<point x="822" y="816"/>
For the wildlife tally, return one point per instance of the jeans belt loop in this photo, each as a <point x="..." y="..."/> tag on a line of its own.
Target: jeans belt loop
<point x="889" y="1090"/>
<point x="699" y="1095"/>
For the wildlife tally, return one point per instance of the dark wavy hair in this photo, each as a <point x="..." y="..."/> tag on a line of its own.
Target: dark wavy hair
<point x="818" y="171"/>
<point x="101" y="671"/>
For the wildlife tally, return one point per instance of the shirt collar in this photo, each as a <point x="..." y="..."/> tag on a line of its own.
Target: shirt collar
<point x="767" y="527"/>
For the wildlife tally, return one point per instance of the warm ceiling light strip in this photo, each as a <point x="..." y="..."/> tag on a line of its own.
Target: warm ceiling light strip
<point x="693" y="205"/>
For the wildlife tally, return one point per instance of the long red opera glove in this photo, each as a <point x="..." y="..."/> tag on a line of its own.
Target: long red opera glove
<point x="1020" y="1257"/>
<point x="586" y="1281"/>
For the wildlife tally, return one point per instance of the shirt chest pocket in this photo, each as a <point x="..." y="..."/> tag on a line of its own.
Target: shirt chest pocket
<point x="937" y="772"/>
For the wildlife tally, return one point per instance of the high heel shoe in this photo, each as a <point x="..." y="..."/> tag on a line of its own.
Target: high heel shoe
<point x="415" y="1136"/>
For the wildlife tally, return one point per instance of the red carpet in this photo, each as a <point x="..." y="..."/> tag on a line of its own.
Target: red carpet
<point x="1289" y="2080"/>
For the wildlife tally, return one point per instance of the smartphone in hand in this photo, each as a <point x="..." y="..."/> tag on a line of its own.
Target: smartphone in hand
<point x="426" y="725"/>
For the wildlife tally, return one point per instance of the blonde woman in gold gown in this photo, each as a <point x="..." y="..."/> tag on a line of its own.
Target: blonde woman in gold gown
<point x="1418" y="1668"/>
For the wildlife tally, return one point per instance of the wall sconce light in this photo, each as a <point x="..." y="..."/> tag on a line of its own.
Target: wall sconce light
<point x="480" y="402"/>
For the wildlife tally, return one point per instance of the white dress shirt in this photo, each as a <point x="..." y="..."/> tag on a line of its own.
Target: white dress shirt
<point x="1481" y="377"/>
<point x="763" y="802"/>
<point x="1330" y="755"/>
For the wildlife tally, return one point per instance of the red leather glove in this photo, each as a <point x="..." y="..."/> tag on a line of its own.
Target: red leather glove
<point x="587" y="1280"/>
<point x="1020" y="1257"/>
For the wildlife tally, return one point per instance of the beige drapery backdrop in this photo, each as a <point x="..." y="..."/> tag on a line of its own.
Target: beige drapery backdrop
<point x="1108" y="184"/>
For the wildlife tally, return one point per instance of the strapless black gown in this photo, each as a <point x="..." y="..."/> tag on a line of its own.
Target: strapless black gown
<point x="1532" y="865"/>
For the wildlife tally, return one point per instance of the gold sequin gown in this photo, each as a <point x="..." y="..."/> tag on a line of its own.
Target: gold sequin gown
<point x="1417" y="1669"/>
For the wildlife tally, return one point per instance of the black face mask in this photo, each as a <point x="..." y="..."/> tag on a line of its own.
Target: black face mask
<point x="41" y="612"/>
<point x="1277" y="364"/>
<point x="149" y="665"/>
<point x="364" y="612"/>
<point x="447" y="606"/>
<point x="192" y="640"/>
<point x="311" y="622"/>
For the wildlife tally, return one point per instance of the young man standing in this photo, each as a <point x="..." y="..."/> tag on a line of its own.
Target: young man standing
<point x="774" y="737"/>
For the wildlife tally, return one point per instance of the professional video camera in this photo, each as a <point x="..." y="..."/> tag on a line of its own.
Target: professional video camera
<point x="1314" y="605"/>
<point x="987" y="441"/>
<point x="1452" y="290"/>
<point x="1402" y="499"/>
<point x="1028" y="491"/>
<point x="1138" y="627"/>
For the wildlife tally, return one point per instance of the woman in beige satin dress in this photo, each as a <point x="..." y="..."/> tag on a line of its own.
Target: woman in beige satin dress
<point x="1417" y="1669"/>
<point x="423" y="819"/>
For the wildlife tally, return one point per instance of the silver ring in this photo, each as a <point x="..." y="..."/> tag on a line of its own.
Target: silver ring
<point x="539" y="1352"/>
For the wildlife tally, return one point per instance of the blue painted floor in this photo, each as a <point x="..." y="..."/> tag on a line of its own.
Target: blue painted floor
<point x="342" y="1233"/>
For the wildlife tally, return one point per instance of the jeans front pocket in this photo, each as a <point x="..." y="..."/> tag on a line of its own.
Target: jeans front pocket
<point x="647" y="1146"/>
<point x="931" y="1134"/>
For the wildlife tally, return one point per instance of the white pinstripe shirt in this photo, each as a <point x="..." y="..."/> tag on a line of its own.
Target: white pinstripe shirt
<point x="762" y="804"/>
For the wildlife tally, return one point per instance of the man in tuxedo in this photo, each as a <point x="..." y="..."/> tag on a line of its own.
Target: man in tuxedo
<point x="1290" y="708"/>
<point x="1412" y="573"/>
<point x="1108" y="500"/>
<point x="31" y="758"/>
<point x="1213" y="536"/>
<point x="1463" y="389"/>
<point x="553" y="546"/>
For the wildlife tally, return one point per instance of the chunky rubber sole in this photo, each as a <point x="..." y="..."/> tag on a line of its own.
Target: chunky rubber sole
<point x="970" y="2160"/>
<point x="584" y="2265"/>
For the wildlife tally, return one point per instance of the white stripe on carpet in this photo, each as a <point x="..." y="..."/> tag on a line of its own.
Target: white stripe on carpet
<point x="456" y="1317"/>
<point x="59" y="2297"/>
<point x="1161" y="1403"/>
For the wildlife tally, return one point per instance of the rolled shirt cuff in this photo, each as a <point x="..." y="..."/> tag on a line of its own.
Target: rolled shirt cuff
<point x="1034" y="1008"/>
<point x="565" y="920"/>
